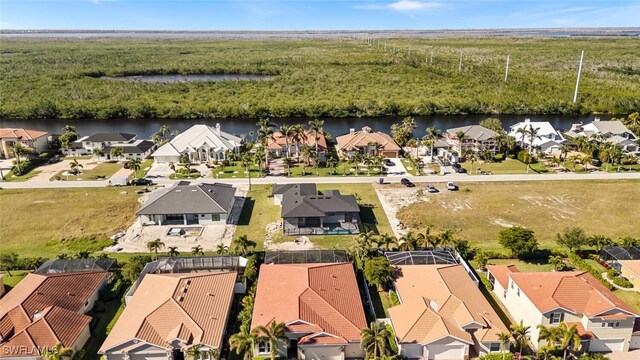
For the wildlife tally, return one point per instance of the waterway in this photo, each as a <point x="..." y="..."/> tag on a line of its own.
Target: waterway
<point x="145" y="128"/>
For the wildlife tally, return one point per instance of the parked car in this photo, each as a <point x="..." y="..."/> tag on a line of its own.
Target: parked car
<point x="406" y="182"/>
<point x="117" y="235"/>
<point x="126" y="165"/>
<point x="456" y="165"/>
<point x="432" y="189"/>
<point x="141" y="181"/>
<point x="54" y="159"/>
<point x="388" y="162"/>
<point x="459" y="170"/>
<point x="596" y="162"/>
<point x="451" y="186"/>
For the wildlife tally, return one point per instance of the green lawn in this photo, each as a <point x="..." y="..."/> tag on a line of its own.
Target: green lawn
<point x="632" y="298"/>
<point x="524" y="266"/>
<point x="14" y="279"/>
<point x="144" y="169"/>
<point x="623" y="168"/>
<point x="63" y="220"/>
<point x="11" y="177"/>
<point x="547" y="207"/>
<point x="507" y="166"/>
<point x="102" y="171"/>
<point x="259" y="211"/>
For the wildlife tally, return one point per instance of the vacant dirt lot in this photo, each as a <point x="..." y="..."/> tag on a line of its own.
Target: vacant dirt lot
<point x="610" y="208"/>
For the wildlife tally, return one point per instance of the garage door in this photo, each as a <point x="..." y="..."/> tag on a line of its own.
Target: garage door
<point x="446" y="352"/>
<point x="606" y="345"/>
<point x="635" y="342"/>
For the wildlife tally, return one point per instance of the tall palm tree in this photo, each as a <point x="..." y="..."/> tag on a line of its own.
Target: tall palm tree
<point x="97" y="153"/>
<point x="316" y="127"/>
<point x="523" y="133"/>
<point x="549" y="334"/>
<point x="505" y="341"/>
<point x="570" y="338"/>
<point x="19" y="151"/>
<point x="173" y="251"/>
<point x="447" y="237"/>
<point x="134" y="164"/>
<point x="374" y="340"/>
<point x="430" y="239"/>
<point x="410" y="241"/>
<point x="244" y="342"/>
<point x="332" y="162"/>
<point x="222" y="249"/>
<point x="288" y="162"/>
<point x="574" y="159"/>
<point x="386" y="241"/>
<point x="273" y="333"/>
<point x="197" y="250"/>
<point x="285" y="133"/>
<point x="368" y="162"/>
<point x="57" y="352"/>
<point x="520" y="333"/>
<point x="265" y="133"/>
<point x="533" y="134"/>
<point x="432" y="134"/>
<point x="172" y="166"/>
<point x="241" y="245"/>
<point x="154" y="246"/>
<point x="298" y="135"/>
<point x="564" y="150"/>
<point x="116" y="152"/>
<point x="164" y="131"/>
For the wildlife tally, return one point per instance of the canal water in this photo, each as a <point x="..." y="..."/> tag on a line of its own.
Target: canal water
<point x="145" y="128"/>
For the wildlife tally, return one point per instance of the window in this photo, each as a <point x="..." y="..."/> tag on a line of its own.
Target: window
<point x="505" y="294"/>
<point x="495" y="347"/>
<point x="555" y="318"/>
<point x="215" y="217"/>
<point x="610" y="324"/>
<point x="264" y="347"/>
<point x="518" y="292"/>
<point x="86" y="303"/>
<point x="512" y="285"/>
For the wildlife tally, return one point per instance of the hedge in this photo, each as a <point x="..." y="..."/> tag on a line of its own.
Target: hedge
<point x="585" y="266"/>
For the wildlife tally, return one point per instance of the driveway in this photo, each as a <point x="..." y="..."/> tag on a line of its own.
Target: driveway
<point x="6" y="166"/>
<point x="397" y="169"/>
<point x="159" y="171"/>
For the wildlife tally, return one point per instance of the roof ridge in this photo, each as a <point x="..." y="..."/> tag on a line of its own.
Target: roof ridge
<point x="330" y="306"/>
<point x="43" y="319"/>
<point x="426" y="308"/>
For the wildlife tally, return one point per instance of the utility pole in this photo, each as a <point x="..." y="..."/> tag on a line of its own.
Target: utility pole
<point x="575" y="94"/>
<point x="506" y="71"/>
<point x="431" y="61"/>
<point x="460" y="65"/>
<point x="409" y="51"/>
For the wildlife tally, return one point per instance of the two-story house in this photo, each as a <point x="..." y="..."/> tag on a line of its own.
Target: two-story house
<point x="367" y="142"/>
<point x="30" y="139"/>
<point x="614" y="132"/>
<point x="476" y="138"/>
<point x="278" y="144"/>
<point x="537" y="134"/>
<point x="605" y="323"/>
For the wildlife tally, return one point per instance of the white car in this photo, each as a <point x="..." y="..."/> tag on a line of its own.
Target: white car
<point x="451" y="186"/>
<point x="117" y="236"/>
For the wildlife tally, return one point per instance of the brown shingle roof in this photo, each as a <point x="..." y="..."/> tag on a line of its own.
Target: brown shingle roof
<point x="437" y="301"/>
<point x="360" y="139"/>
<point x="324" y="295"/>
<point x="190" y="307"/>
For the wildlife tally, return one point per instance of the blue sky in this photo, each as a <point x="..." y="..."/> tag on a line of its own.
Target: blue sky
<point x="314" y="14"/>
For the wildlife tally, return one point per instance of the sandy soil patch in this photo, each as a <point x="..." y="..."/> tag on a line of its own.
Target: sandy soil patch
<point x="393" y="199"/>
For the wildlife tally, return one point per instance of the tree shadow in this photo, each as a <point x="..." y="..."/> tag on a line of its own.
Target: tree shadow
<point x="368" y="218"/>
<point x="247" y="210"/>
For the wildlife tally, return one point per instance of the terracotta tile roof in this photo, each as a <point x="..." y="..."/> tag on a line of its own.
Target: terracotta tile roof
<point x="438" y="301"/>
<point x="191" y="307"/>
<point x="360" y="139"/>
<point x="323" y="295"/>
<point x="21" y="134"/>
<point x="500" y="272"/>
<point x="321" y="339"/>
<point x="46" y="309"/>
<point x="576" y="291"/>
<point x="584" y="334"/>
<point x="278" y="141"/>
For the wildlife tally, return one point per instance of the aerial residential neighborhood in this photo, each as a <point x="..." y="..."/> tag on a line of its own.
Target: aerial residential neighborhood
<point x="319" y="180"/>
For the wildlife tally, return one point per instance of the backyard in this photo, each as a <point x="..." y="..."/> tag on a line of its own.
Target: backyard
<point x="47" y="222"/>
<point x="480" y="210"/>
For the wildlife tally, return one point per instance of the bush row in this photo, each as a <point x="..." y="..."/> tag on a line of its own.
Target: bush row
<point x="585" y="266"/>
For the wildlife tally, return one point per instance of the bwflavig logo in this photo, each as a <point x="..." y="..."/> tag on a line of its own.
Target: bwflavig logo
<point x="21" y="350"/>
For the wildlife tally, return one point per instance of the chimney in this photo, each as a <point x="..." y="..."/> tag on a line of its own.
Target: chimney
<point x="527" y="120"/>
<point x="217" y="129"/>
<point x="352" y="131"/>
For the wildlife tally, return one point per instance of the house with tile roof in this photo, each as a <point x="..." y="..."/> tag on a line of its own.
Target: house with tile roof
<point x="367" y="142"/>
<point x="614" y="132"/>
<point x="476" y="139"/>
<point x="305" y="211"/>
<point x="170" y="313"/>
<point x="31" y="139"/>
<point x="548" y="139"/>
<point x="186" y="204"/>
<point x="605" y="323"/>
<point x="319" y="304"/>
<point x="199" y="143"/>
<point x="277" y="145"/>
<point x="443" y="314"/>
<point x="46" y="309"/>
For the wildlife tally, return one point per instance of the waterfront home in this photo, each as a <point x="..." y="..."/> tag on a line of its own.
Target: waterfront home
<point x="86" y="144"/>
<point x="277" y="145"/>
<point x="30" y="139"/>
<point x="546" y="138"/>
<point x="305" y="211"/>
<point x="320" y="305"/>
<point x="199" y="143"/>
<point x="605" y="323"/>
<point x="614" y="132"/>
<point x="183" y="304"/>
<point x="186" y="204"/>
<point x="446" y="317"/>
<point x="367" y="142"/>
<point x="47" y="308"/>
<point x="475" y="138"/>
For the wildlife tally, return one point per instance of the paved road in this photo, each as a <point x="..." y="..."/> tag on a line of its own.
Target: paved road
<point x="458" y="178"/>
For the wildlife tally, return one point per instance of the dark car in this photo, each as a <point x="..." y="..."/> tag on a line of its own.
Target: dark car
<point x="596" y="162"/>
<point x="451" y="186"/>
<point x="54" y="159"/>
<point x="126" y="165"/>
<point x="141" y="181"/>
<point x="459" y="170"/>
<point x="388" y="163"/>
<point x="406" y="182"/>
<point x="456" y="165"/>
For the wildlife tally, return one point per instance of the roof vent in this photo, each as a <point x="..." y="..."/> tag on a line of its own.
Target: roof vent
<point x="212" y="294"/>
<point x="70" y="294"/>
<point x="184" y="289"/>
<point x="434" y="305"/>
<point x="181" y="298"/>
<point x="333" y="276"/>
<point x="188" y="281"/>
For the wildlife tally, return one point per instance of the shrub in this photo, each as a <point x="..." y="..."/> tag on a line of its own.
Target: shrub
<point x="520" y="241"/>
<point x="497" y="356"/>
<point x="584" y="266"/>
<point x="394" y="298"/>
<point x="622" y="282"/>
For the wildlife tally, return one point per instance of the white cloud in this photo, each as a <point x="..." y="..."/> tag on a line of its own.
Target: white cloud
<point x="402" y="6"/>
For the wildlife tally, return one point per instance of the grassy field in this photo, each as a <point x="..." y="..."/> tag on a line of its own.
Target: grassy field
<point x="524" y="266"/>
<point x="14" y="279"/>
<point x="60" y="78"/>
<point x="46" y="222"/>
<point x="600" y="207"/>
<point x="507" y="166"/>
<point x="101" y="171"/>
<point x="259" y="211"/>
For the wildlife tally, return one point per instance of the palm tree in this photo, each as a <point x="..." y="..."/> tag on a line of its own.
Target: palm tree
<point x="430" y="239"/>
<point x="244" y="342"/>
<point x="172" y="166"/>
<point x="285" y="133"/>
<point x="19" y="151"/>
<point x="134" y="164"/>
<point x="222" y="249"/>
<point x="574" y="159"/>
<point x="164" y="131"/>
<point x="316" y="127"/>
<point x="173" y="251"/>
<point x="533" y="134"/>
<point x="116" y="152"/>
<point x="523" y="133"/>
<point x="447" y="237"/>
<point x="549" y="334"/>
<point x="298" y="135"/>
<point x="368" y="162"/>
<point x="197" y="251"/>
<point x="193" y="352"/>
<point x="288" y="162"/>
<point x="75" y="166"/>
<point x="273" y="333"/>
<point x="564" y="150"/>
<point x="97" y="153"/>
<point x="386" y="241"/>
<point x="154" y="246"/>
<point x="570" y="338"/>
<point x="410" y="241"/>
<point x="432" y="134"/>
<point x="265" y="133"/>
<point x="332" y="162"/>
<point x="374" y="340"/>
<point x="505" y="341"/>
<point x="520" y="333"/>
<point x="57" y="352"/>
<point x="241" y="245"/>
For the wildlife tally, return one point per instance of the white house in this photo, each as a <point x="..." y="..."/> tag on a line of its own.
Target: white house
<point x="607" y="131"/>
<point x="86" y="144"/>
<point x="200" y="143"/>
<point x="605" y="323"/>
<point x="547" y="138"/>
